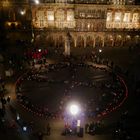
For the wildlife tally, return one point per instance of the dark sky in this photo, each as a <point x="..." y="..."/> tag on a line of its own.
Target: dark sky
<point x="137" y="1"/>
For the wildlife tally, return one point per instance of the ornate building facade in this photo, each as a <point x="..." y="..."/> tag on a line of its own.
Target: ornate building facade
<point x="94" y="23"/>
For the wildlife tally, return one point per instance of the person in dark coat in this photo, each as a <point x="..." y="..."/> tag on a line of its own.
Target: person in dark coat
<point x="40" y="136"/>
<point x="8" y="99"/>
<point x="48" y="129"/>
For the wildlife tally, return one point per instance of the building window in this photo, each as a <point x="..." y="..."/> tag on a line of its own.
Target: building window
<point x="60" y="15"/>
<point x="61" y="1"/>
<point x="70" y="15"/>
<point x="50" y="15"/>
<point x="118" y="16"/>
<point x="126" y="17"/>
<point x="135" y="17"/>
<point x="109" y="16"/>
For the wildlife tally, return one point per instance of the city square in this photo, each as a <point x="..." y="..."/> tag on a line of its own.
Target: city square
<point x="73" y="89"/>
<point x="69" y="69"/>
<point x="35" y="83"/>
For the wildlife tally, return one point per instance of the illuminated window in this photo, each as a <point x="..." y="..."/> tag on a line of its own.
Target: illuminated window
<point x="109" y="16"/>
<point x="22" y="12"/>
<point x="126" y="17"/>
<point x="128" y="37"/>
<point x="50" y="15"/>
<point x="135" y="17"/>
<point x="88" y="26"/>
<point x="70" y="15"/>
<point x="61" y="1"/>
<point x="118" y="16"/>
<point x="118" y="2"/>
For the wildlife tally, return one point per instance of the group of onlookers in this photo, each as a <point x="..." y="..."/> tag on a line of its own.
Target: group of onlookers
<point x="113" y="92"/>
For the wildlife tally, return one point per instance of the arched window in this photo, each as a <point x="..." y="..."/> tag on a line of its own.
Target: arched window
<point x="50" y="15"/>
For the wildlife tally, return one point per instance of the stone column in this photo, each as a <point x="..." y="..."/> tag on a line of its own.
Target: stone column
<point x="75" y="42"/>
<point x="67" y="45"/>
<point x="94" y="43"/>
<point x="84" y="42"/>
<point x="103" y="43"/>
<point x="112" y="43"/>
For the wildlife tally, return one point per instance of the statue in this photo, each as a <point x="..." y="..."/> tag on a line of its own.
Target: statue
<point x="67" y="44"/>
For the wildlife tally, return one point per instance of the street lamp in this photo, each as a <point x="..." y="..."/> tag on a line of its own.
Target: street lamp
<point x="75" y="118"/>
<point x="37" y="1"/>
<point x="22" y="12"/>
<point x="100" y="50"/>
<point x="18" y="118"/>
<point x="39" y="50"/>
<point x="74" y="109"/>
<point x="24" y="128"/>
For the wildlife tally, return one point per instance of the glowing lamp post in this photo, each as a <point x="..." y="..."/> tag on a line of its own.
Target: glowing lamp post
<point x="100" y="50"/>
<point x="36" y="1"/>
<point x="22" y="12"/>
<point x="74" y="109"/>
<point x="39" y="50"/>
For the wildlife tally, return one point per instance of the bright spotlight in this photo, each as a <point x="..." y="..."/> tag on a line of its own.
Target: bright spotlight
<point x="74" y="109"/>
<point x="18" y="118"/>
<point x="24" y="128"/>
<point x="37" y="1"/>
<point x="22" y="12"/>
<point x="100" y="50"/>
<point x="39" y="50"/>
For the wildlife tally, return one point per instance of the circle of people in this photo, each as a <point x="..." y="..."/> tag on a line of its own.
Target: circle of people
<point x="108" y="102"/>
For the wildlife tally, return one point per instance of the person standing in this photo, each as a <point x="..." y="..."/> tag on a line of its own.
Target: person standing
<point x="48" y="129"/>
<point x="8" y="99"/>
<point x="40" y="136"/>
<point x="86" y="128"/>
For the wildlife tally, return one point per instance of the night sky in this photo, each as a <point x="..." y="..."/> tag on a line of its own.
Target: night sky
<point x="137" y="1"/>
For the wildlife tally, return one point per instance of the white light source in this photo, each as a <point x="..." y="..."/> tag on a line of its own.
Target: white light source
<point x="18" y="118"/>
<point x="24" y="128"/>
<point x="39" y="50"/>
<point x="117" y="18"/>
<point x="88" y="25"/>
<point x="68" y="18"/>
<point x="74" y="109"/>
<point x="50" y="17"/>
<point x="100" y="50"/>
<point x="22" y="12"/>
<point x="109" y="16"/>
<point x="37" y="1"/>
<point x="78" y="123"/>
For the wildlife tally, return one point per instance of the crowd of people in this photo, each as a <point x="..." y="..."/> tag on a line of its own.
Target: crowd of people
<point x="113" y="91"/>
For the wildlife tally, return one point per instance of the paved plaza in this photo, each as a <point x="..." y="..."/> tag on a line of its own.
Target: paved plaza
<point x="53" y="88"/>
<point x="46" y="92"/>
<point x="50" y="88"/>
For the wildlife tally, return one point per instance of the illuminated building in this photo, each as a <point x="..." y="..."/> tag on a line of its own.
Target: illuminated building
<point x="94" y="23"/>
